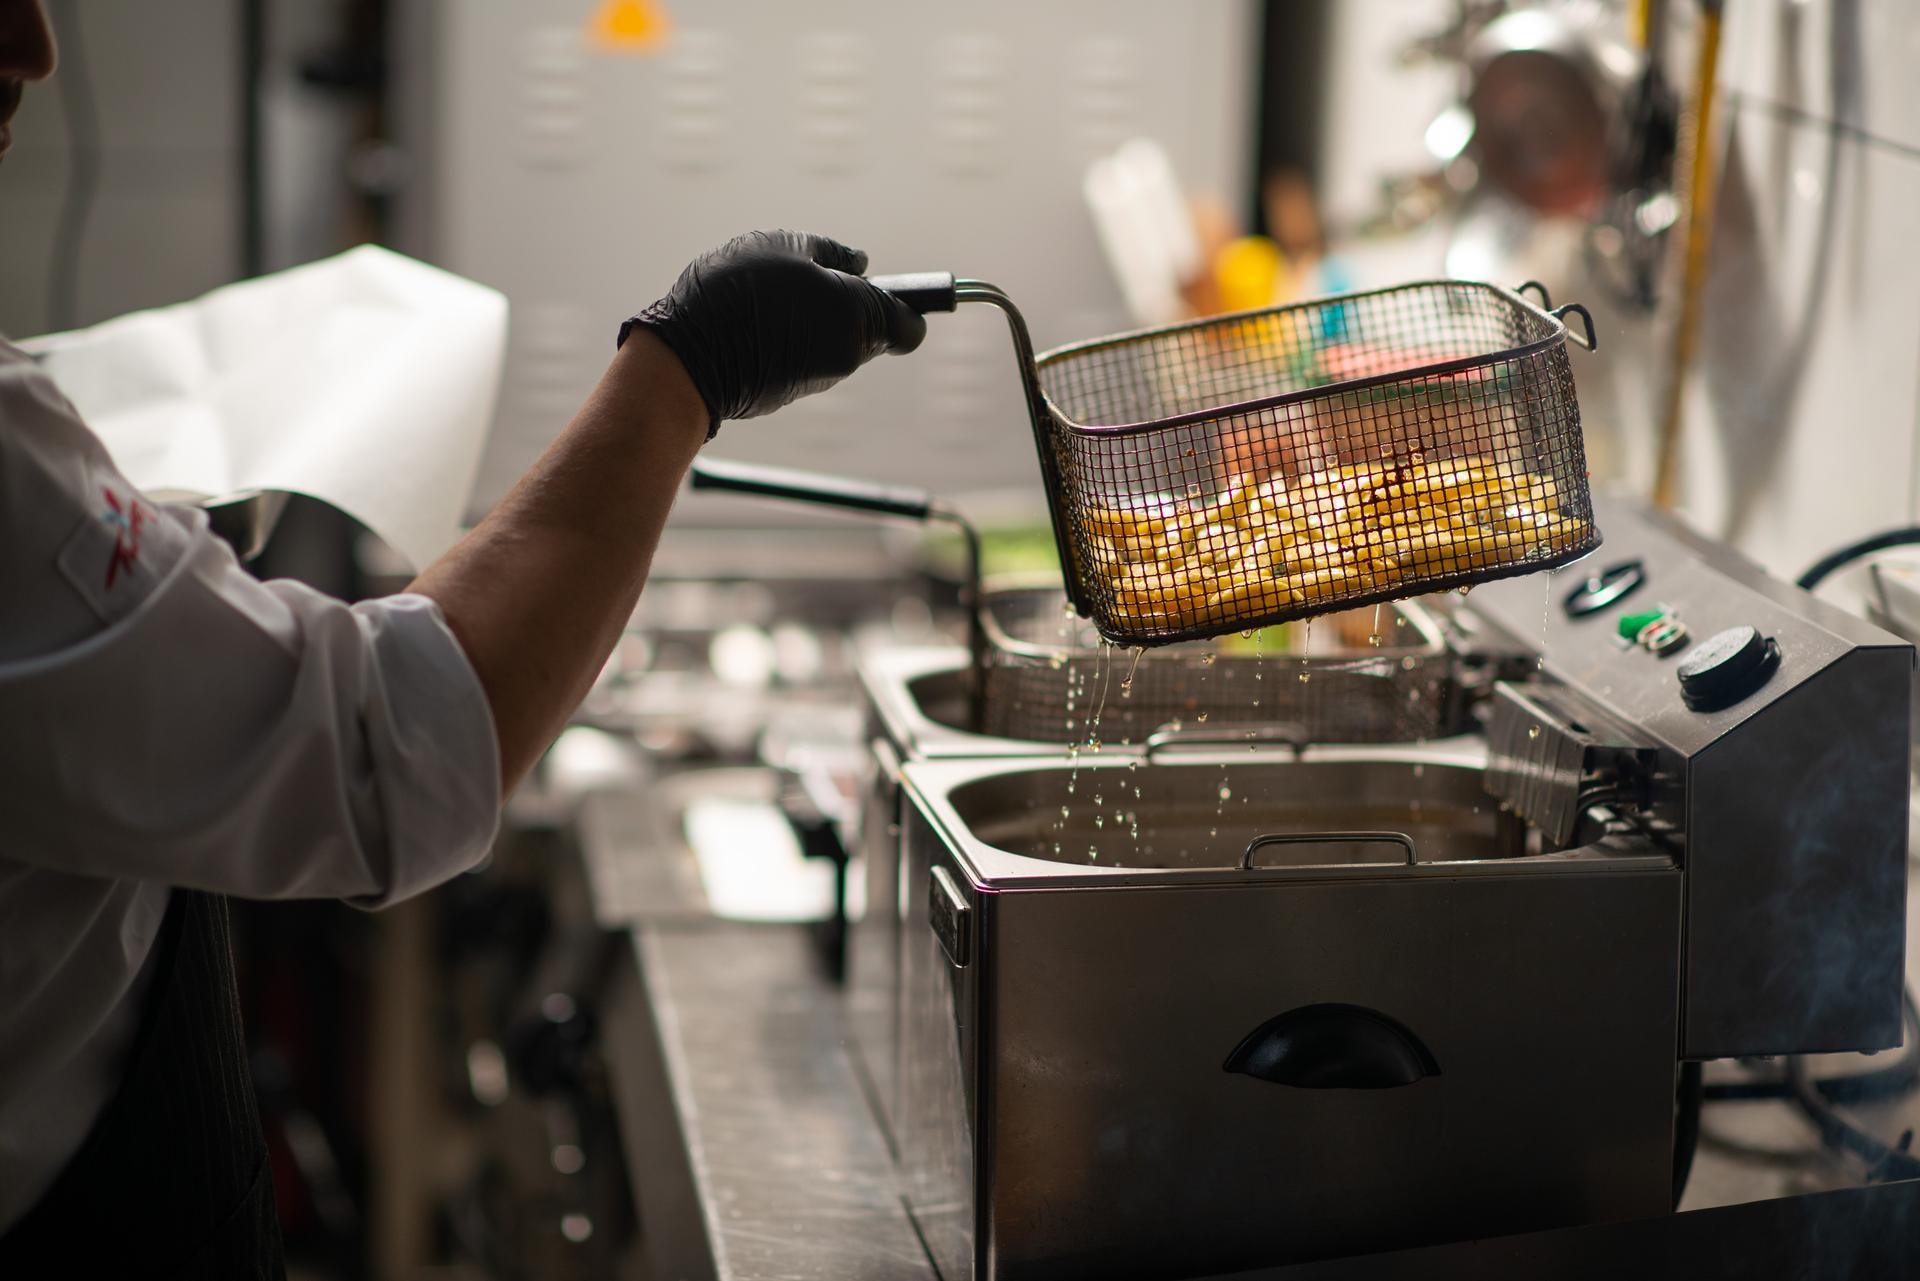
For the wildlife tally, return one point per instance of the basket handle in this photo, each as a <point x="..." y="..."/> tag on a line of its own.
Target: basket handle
<point x="1559" y="313"/>
<point x="1278" y="732"/>
<point x="930" y="291"/>
<point x="924" y="291"/>
<point x="1259" y="843"/>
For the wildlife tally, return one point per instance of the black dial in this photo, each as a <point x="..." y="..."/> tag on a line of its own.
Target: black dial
<point x="1725" y="668"/>
<point x="1615" y="582"/>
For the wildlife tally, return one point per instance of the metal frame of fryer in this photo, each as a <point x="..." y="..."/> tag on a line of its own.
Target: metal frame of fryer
<point x="1112" y="1143"/>
<point x="1787" y="810"/>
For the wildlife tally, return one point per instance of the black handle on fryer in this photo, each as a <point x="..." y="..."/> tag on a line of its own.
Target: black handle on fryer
<point x="924" y="291"/>
<point x="810" y="487"/>
<point x="1333" y="1046"/>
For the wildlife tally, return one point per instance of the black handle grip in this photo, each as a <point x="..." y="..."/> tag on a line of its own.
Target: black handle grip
<point x="924" y="291"/>
<point x="1333" y="1047"/>
<point x="810" y="487"/>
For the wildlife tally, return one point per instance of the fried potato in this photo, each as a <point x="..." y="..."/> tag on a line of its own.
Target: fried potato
<point x="1265" y="545"/>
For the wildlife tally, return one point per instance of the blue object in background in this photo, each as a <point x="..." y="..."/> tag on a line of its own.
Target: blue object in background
<point x="1332" y="277"/>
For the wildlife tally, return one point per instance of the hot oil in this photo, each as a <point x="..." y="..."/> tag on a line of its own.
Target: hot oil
<point x="1546" y="618"/>
<point x="1106" y="678"/>
<point x="1105" y="673"/>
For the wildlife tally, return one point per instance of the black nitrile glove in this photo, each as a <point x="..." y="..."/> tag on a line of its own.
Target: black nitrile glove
<point x="772" y="316"/>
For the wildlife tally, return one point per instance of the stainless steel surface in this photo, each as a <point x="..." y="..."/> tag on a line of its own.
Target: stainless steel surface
<point x="1551" y="761"/>
<point x="1201" y="816"/>
<point x="1398" y="841"/>
<point x="1041" y="1033"/>
<point x="1175" y="736"/>
<point x="749" y="1137"/>
<point x="916" y="697"/>
<point x="1375" y="675"/>
<point x="1064" y="1109"/>
<point x="1788" y="809"/>
<point x="767" y="967"/>
<point x="917" y="702"/>
<point x="1043" y="692"/>
<point x="638" y="863"/>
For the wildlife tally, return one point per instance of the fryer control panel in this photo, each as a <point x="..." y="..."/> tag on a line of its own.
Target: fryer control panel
<point x="1780" y="732"/>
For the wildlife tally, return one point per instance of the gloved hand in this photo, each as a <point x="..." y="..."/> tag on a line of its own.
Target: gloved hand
<point x="772" y="316"/>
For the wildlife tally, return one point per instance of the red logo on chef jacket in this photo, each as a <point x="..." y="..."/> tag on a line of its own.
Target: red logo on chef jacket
<point x="124" y="517"/>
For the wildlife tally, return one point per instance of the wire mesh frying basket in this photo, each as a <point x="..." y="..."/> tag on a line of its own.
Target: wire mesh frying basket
<point x="1271" y="465"/>
<point x="1266" y="466"/>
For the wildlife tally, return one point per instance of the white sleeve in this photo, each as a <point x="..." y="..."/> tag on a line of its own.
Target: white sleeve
<point x="256" y="739"/>
<point x="216" y="732"/>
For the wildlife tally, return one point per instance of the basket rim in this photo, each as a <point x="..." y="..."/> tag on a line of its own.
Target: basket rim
<point x="1431" y="646"/>
<point x="1556" y="338"/>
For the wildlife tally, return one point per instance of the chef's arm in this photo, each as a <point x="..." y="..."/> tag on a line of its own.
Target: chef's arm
<point x="540" y="591"/>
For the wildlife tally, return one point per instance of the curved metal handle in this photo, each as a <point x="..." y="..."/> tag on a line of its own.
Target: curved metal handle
<point x="1161" y="739"/>
<point x="1258" y="843"/>
<point x="1559" y="313"/>
<point x="1040" y="418"/>
<point x="1546" y="302"/>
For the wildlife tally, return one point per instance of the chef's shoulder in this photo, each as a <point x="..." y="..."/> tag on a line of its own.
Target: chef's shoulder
<point x="80" y="546"/>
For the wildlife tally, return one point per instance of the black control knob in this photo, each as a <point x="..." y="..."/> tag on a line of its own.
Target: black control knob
<point x="1599" y="590"/>
<point x="1725" y="668"/>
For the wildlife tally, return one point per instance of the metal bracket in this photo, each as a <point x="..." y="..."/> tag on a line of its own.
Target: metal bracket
<point x="1550" y="758"/>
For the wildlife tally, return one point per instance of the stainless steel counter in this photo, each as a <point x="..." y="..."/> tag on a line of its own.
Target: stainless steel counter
<point x="753" y="1149"/>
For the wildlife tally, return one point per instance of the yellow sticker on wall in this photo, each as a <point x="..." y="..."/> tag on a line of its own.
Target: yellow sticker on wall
<point x="629" y="26"/>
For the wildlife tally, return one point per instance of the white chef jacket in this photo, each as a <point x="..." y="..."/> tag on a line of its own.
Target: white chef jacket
<point x="167" y="720"/>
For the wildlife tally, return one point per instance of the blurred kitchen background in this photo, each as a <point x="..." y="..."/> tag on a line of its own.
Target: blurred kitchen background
<point x="1731" y="195"/>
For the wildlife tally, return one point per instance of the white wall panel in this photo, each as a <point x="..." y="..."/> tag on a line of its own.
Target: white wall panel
<point x="1803" y="410"/>
<point x="947" y="137"/>
<point x="1848" y="61"/>
<point x="165" y="224"/>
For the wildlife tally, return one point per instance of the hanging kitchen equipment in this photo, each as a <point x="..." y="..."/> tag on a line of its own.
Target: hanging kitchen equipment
<point x="1250" y="469"/>
<point x="1040" y="673"/>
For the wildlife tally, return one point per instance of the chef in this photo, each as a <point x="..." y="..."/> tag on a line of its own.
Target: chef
<point x="173" y="731"/>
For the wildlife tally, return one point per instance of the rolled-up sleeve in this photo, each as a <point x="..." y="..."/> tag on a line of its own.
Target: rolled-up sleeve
<point x="256" y="739"/>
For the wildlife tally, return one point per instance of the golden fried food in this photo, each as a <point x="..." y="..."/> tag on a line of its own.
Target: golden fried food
<point x="1265" y="545"/>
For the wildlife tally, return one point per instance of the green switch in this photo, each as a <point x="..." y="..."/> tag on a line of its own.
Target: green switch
<point x="1631" y="625"/>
